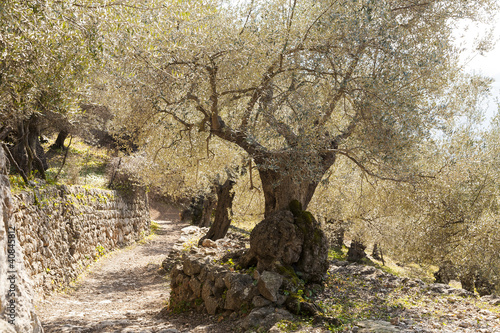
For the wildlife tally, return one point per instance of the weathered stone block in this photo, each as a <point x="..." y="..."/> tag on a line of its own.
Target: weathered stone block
<point x="206" y="290"/>
<point x="269" y="284"/>
<point x="259" y="302"/>
<point x="240" y="291"/>
<point x="212" y="305"/>
<point x="195" y="286"/>
<point x="191" y="266"/>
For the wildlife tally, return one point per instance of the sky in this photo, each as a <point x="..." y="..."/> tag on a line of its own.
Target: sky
<point x="487" y="64"/>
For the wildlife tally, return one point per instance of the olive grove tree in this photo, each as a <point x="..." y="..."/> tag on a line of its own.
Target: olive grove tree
<point x="295" y="84"/>
<point x="46" y="50"/>
<point x="449" y="221"/>
<point x="290" y="86"/>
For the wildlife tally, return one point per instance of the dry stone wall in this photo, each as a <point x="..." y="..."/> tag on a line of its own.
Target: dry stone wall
<point x="62" y="229"/>
<point x="201" y="283"/>
<point x="17" y="312"/>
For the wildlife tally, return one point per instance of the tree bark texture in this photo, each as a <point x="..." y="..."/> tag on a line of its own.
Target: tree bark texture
<point x="209" y="203"/>
<point x="28" y="152"/>
<point x="294" y="177"/>
<point x="286" y="175"/>
<point x="14" y="163"/>
<point x="222" y="220"/>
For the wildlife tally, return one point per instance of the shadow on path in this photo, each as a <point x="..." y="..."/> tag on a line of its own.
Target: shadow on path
<point x="122" y="292"/>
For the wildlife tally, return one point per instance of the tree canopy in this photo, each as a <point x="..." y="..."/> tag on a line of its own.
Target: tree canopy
<point x="296" y="84"/>
<point x="46" y="51"/>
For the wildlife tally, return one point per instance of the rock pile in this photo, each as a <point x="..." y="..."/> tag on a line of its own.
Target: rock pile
<point x="202" y="284"/>
<point x="375" y="275"/>
<point x="289" y="238"/>
<point x="434" y="307"/>
<point x="199" y="281"/>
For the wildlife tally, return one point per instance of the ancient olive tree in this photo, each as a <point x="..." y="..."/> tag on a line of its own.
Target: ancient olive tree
<point x="297" y="84"/>
<point x="292" y="85"/>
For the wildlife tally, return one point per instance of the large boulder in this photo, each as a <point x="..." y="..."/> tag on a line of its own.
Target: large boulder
<point x="16" y="294"/>
<point x="276" y="241"/>
<point x="313" y="262"/>
<point x="289" y="238"/>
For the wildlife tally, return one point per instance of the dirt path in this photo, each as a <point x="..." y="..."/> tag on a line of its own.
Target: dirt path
<point x="123" y="292"/>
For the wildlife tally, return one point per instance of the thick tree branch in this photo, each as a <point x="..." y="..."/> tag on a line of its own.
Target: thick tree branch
<point x="266" y="79"/>
<point x="252" y="147"/>
<point x="215" y="123"/>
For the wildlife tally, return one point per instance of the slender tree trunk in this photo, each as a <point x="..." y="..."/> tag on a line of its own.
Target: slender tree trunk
<point x="61" y="137"/>
<point x="33" y="146"/>
<point x="209" y="203"/>
<point x="222" y="220"/>
<point x="64" y="159"/>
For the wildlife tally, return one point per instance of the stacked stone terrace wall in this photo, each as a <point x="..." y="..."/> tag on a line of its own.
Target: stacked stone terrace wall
<point x="17" y="312"/>
<point x="62" y="229"/>
<point x="199" y="281"/>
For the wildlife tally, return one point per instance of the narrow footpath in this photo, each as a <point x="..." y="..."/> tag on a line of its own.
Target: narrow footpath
<point x="122" y="292"/>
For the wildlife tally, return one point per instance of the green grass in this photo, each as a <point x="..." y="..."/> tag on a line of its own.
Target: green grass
<point x="336" y="254"/>
<point x="85" y="164"/>
<point x="154" y="226"/>
<point x="17" y="183"/>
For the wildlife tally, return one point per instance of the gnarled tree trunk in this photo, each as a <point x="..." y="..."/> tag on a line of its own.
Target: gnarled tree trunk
<point x="279" y="190"/>
<point x="294" y="176"/>
<point x="222" y="220"/>
<point x="289" y="238"/>
<point x="28" y="152"/>
<point x="289" y="179"/>
<point x="61" y="137"/>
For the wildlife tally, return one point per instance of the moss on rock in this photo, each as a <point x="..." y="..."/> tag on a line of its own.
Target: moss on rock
<point x="291" y="280"/>
<point x="295" y="207"/>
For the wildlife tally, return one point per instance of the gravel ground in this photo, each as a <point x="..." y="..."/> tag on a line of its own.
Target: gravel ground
<point x="404" y="305"/>
<point x="125" y="292"/>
